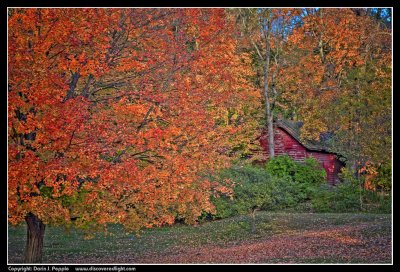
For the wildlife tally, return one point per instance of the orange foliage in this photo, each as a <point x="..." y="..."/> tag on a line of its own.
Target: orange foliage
<point x="113" y="113"/>
<point x="329" y="44"/>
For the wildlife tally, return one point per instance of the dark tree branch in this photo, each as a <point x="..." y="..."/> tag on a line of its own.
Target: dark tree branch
<point x="145" y="118"/>
<point x="85" y="91"/>
<point x="72" y="85"/>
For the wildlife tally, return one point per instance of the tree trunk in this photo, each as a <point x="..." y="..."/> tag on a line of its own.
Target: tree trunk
<point x="72" y="85"/>
<point x="34" y="242"/>
<point x="268" y="113"/>
<point x="253" y="221"/>
<point x="360" y="195"/>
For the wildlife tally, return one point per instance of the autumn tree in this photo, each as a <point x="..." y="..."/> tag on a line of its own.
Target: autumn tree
<point x="338" y="80"/>
<point x="113" y="114"/>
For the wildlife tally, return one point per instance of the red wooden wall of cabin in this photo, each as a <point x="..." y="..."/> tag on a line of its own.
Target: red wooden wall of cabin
<point x="328" y="162"/>
<point x="284" y="144"/>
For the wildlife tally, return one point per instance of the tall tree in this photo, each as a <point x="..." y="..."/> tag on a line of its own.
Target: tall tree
<point x="339" y="81"/>
<point x="114" y="114"/>
<point x="266" y="31"/>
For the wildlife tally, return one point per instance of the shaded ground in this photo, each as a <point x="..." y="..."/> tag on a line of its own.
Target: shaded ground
<point x="281" y="238"/>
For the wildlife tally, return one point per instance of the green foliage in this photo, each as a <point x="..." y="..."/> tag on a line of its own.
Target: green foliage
<point x="46" y="191"/>
<point x="383" y="180"/>
<point x="308" y="171"/>
<point x="350" y="196"/>
<point x="251" y="191"/>
<point x="377" y="202"/>
<point x="283" y="184"/>
<point x="344" y="197"/>
<point x="257" y="189"/>
<point x="299" y="186"/>
<point x="76" y="198"/>
<point x="281" y="166"/>
<point x="285" y="194"/>
<point x="224" y="207"/>
<point x="305" y="176"/>
<point x="347" y="174"/>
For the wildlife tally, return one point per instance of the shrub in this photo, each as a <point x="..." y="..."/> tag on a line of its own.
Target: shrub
<point x="251" y="190"/>
<point x="307" y="175"/>
<point x="285" y="193"/>
<point x="281" y="166"/>
<point x="256" y="189"/>
<point x="289" y="184"/>
<point x="350" y="196"/>
<point x="344" y="197"/>
<point x="309" y="171"/>
<point x="383" y="180"/>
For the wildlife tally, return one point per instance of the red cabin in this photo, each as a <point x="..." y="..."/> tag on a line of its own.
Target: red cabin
<point x="287" y="141"/>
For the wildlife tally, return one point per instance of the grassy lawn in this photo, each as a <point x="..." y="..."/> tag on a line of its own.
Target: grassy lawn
<point x="280" y="238"/>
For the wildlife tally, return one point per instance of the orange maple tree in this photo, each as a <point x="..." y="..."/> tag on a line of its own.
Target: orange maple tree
<point x="114" y="114"/>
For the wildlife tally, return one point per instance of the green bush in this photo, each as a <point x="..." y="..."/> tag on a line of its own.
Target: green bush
<point x="307" y="175"/>
<point x="383" y="180"/>
<point x="285" y="193"/>
<point x="283" y="184"/>
<point x="300" y="186"/>
<point x="256" y="189"/>
<point x="344" y="197"/>
<point x="350" y="196"/>
<point x="251" y="190"/>
<point x="281" y="166"/>
<point x="309" y="171"/>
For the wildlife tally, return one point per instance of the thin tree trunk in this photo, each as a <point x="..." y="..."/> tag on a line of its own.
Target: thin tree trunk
<point x="253" y="221"/>
<point x="361" y="202"/>
<point x="270" y="124"/>
<point x="34" y="242"/>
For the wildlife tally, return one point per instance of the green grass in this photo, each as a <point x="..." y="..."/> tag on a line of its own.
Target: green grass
<point x="61" y="246"/>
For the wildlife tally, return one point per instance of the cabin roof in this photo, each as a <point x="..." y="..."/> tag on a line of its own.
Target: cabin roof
<point x="293" y="128"/>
